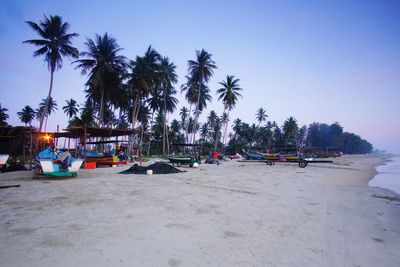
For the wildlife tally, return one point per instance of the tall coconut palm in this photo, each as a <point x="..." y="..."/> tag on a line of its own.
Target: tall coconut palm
<point x="204" y="131"/>
<point x="167" y="76"/>
<point x="229" y="94"/>
<point x="154" y="103"/>
<point x="26" y="115"/>
<point x="205" y="98"/>
<point x="184" y="113"/>
<point x="261" y="115"/>
<point x="143" y="118"/>
<point x="104" y="66"/>
<point x="290" y="129"/>
<point x="237" y="127"/>
<point x="71" y="108"/>
<point x="3" y="116"/>
<point x="201" y="70"/>
<point x="143" y="79"/>
<point x="190" y="88"/>
<point x="46" y="107"/>
<point x="217" y="132"/>
<point x="54" y="45"/>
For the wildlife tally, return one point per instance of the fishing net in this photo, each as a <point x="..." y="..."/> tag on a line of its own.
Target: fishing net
<point x="158" y="168"/>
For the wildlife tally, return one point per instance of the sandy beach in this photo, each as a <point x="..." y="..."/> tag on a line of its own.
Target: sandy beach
<point x="234" y="214"/>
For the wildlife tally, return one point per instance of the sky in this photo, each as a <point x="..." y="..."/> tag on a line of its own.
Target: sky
<point x="319" y="61"/>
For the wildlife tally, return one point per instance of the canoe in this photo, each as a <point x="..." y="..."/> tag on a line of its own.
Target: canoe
<point x="106" y="160"/>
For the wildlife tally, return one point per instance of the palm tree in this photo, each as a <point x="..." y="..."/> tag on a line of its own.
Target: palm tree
<point x="204" y="130"/>
<point x="154" y="103"/>
<point x="211" y="120"/>
<point x="167" y="76"/>
<point x="26" y="115"/>
<point x="143" y="118"/>
<point x="142" y="79"/>
<point x="3" y="116"/>
<point x="184" y="113"/>
<point x="217" y="132"/>
<point x="46" y="107"/>
<point x="71" y="108"/>
<point x="190" y="88"/>
<point x="237" y="127"/>
<point x="104" y="66"/>
<point x="261" y="115"/>
<point x="290" y="129"/>
<point x="54" y="45"/>
<point x="229" y="93"/>
<point x="201" y="71"/>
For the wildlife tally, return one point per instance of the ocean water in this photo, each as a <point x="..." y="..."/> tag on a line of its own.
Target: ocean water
<point x="388" y="176"/>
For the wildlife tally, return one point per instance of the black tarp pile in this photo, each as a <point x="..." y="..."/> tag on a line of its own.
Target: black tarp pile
<point x="158" y="168"/>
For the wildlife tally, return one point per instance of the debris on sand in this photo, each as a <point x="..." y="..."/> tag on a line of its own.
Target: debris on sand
<point x="157" y="168"/>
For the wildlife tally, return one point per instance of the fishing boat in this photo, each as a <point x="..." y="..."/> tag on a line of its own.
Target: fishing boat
<point x="182" y="160"/>
<point x="101" y="159"/>
<point x="253" y="156"/>
<point x="287" y="157"/>
<point x="329" y="155"/>
<point x="50" y="165"/>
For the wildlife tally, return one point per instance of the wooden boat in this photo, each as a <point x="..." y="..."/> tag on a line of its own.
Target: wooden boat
<point x="271" y="157"/>
<point x="106" y="160"/>
<point x="188" y="160"/>
<point x="281" y="158"/>
<point x="101" y="159"/>
<point x="52" y="168"/>
<point x="50" y="165"/>
<point x="329" y="155"/>
<point x="253" y="156"/>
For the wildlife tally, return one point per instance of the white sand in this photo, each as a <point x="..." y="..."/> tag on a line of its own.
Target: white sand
<point x="235" y="214"/>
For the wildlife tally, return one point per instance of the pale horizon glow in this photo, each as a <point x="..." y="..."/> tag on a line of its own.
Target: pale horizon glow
<point x="319" y="61"/>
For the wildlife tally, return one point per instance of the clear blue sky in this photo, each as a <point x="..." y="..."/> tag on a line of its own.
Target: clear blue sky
<point x="323" y="61"/>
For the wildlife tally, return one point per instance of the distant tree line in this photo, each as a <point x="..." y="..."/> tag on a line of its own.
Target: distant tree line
<point x="316" y="135"/>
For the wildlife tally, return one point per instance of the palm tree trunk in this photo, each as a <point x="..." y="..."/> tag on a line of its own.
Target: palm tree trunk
<point x="151" y="127"/>
<point x="163" y="138"/>
<point x="197" y="107"/>
<point x="47" y="100"/>
<point x="141" y="142"/>
<point x="254" y="135"/>
<point x="226" y="128"/>
<point x="187" y="125"/>
<point x="166" y="124"/>
<point x="216" y="141"/>
<point x="101" y="106"/>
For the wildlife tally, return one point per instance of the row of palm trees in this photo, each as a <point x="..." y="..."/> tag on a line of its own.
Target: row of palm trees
<point x="131" y="88"/>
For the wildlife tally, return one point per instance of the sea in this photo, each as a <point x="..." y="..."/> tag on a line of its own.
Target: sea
<point x="388" y="176"/>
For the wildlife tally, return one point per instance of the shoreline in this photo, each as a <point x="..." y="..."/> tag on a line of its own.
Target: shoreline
<point x="386" y="159"/>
